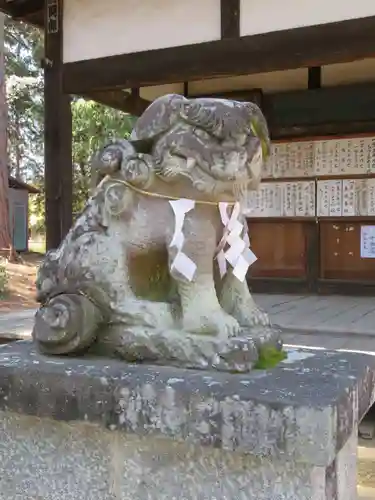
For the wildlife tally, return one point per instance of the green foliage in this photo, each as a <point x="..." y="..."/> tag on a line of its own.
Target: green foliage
<point x="269" y="357"/>
<point x="93" y="123"/>
<point x="23" y="48"/>
<point x="24" y="85"/>
<point x="3" y="278"/>
<point x="93" y="126"/>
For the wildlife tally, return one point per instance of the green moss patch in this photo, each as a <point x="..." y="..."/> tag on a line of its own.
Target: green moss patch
<point x="269" y="357"/>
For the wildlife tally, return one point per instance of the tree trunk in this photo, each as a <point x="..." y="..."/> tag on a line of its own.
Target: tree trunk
<point x="5" y="236"/>
<point x="17" y="131"/>
<point x="17" y="147"/>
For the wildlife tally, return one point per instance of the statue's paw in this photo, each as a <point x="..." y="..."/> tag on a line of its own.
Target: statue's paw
<point x="253" y="316"/>
<point x="216" y="322"/>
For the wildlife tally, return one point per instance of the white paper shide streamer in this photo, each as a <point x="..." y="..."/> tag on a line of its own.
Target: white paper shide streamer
<point x="181" y="263"/>
<point x="239" y="254"/>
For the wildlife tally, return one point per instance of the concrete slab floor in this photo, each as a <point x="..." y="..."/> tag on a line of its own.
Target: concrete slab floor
<point x="329" y="314"/>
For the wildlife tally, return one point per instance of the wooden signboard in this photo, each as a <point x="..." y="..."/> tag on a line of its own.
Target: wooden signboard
<point x="346" y="198"/>
<point x="283" y="199"/>
<point x="327" y="157"/>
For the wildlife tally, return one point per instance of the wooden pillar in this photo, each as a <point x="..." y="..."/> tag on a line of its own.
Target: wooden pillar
<point x="314" y="77"/>
<point x="57" y="131"/>
<point x="313" y="228"/>
<point x="230" y="19"/>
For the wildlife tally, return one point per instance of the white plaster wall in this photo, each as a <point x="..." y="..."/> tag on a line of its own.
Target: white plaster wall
<point x="273" y="15"/>
<point x="348" y="73"/>
<point x="155" y="91"/>
<point x="98" y="28"/>
<point x="276" y="81"/>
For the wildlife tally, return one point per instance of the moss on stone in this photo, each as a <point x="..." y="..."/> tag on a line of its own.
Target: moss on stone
<point x="269" y="357"/>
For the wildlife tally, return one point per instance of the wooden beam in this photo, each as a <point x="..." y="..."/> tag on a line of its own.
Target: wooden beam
<point x="230" y="18"/>
<point x="58" y="132"/>
<point x="295" y="48"/>
<point x="22" y="9"/>
<point x="118" y="99"/>
<point x="346" y="109"/>
<point x="324" y="111"/>
<point x="322" y="130"/>
<point x="135" y="104"/>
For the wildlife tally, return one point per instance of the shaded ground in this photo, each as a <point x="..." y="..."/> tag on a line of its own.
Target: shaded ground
<point x="21" y="284"/>
<point x="366" y="473"/>
<point x="366" y="464"/>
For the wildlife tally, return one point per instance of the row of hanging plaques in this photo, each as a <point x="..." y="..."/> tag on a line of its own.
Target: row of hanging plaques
<point x="346" y="198"/>
<point x="282" y="199"/>
<point x="354" y="155"/>
<point x="331" y="198"/>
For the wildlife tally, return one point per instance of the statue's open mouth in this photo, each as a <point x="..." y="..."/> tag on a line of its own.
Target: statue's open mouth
<point x="236" y="186"/>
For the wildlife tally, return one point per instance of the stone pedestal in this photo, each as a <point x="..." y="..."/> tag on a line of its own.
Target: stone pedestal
<point x="92" y="429"/>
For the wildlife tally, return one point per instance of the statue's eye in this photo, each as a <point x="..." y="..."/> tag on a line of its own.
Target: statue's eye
<point x="135" y="170"/>
<point x="202" y="134"/>
<point x="107" y="157"/>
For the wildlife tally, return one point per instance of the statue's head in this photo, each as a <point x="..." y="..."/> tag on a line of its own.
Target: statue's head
<point x="215" y="146"/>
<point x="219" y="145"/>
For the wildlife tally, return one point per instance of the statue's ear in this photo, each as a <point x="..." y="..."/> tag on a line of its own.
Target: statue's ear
<point x="257" y="162"/>
<point x="109" y="159"/>
<point x="116" y="199"/>
<point x="257" y="130"/>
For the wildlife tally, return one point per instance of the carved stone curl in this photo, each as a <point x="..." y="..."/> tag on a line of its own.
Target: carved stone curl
<point x="113" y="286"/>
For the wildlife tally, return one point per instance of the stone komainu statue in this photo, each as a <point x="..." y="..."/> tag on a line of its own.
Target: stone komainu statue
<point x="154" y="267"/>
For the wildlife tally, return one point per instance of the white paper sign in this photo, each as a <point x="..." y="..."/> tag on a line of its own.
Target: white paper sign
<point x="348" y="156"/>
<point x="323" y="199"/>
<point x="368" y="242"/>
<point x="243" y="263"/>
<point x="371" y="197"/>
<point x="349" y="200"/>
<point x="361" y="196"/>
<point x="335" y="195"/>
<point x="182" y="263"/>
<point x="371" y="154"/>
<point x="239" y="255"/>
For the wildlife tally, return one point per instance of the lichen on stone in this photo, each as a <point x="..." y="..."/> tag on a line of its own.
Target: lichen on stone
<point x="269" y="357"/>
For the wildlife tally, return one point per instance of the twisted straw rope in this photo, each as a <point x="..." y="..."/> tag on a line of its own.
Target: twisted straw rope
<point x="157" y="195"/>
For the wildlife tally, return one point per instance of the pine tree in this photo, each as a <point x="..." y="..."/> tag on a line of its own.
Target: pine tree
<point x="23" y="50"/>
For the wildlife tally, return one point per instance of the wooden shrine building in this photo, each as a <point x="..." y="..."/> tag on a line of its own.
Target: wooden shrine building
<point x="311" y="68"/>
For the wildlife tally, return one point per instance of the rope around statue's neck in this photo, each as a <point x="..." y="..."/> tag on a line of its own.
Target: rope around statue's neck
<point x="159" y="195"/>
<point x="239" y="255"/>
